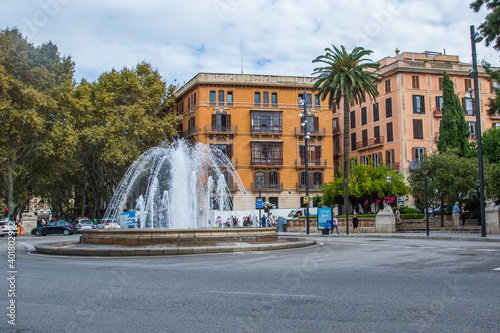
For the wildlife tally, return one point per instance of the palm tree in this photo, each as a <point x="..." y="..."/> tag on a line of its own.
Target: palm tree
<point x="347" y="75"/>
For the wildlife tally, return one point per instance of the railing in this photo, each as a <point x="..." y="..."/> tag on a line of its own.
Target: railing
<point x="370" y="142"/>
<point x="336" y="151"/>
<point x="266" y="187"/>
<point x="221" y="129"/>
<point x="470" y="113"/>
<point x="267" y="129"/>
<point x="312" y="162"/>
<point x="437" y="111"/>
<point x="267" y="162"/>
<point x="314" y="132"/>
<point x="189" y="132"/>
<point x="495" y="115"/>
<point x="414" y="165"/>
<point x="312" y="187"/>
<point x="393" y="166"/>
<point x="336" y="130"/>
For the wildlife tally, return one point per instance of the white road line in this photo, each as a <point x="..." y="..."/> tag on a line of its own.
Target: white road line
<point x="487" y="250"/>
<point x="258" y="294"/>
<point x="28" y="246"/>
<point x="496" y="269"/>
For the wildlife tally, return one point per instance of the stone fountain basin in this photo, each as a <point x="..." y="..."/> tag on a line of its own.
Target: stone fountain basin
<point x="136" y="242"/>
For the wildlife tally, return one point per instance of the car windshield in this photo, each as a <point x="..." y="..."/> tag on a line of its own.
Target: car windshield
<point x="86" y="222"/>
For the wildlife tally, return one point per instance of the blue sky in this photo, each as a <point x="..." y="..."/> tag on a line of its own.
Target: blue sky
<point x="182" y="38"/>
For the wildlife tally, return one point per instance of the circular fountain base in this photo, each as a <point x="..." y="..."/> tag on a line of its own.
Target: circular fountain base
<point x="136" y="242"/>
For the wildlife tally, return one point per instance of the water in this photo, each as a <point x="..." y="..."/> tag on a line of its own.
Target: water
<point x="176" y="186"/>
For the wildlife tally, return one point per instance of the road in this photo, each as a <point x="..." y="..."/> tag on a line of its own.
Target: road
<point x="344" y="284"/>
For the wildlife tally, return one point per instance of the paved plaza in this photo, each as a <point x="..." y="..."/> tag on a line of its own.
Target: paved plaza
<point x="354" y="283"/>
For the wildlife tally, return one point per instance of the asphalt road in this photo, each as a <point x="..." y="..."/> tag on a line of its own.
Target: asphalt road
<point x="348" y="284"/>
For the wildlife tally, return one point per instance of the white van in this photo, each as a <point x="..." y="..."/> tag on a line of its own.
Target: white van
<point x="295" y="213"/>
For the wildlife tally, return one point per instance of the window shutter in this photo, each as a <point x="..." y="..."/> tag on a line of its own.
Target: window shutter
<point x="318" y="154"/>
<point x="229" y="151"/>
<point x="228" y="122"/>
<point x="388" y="107"/>
<point x="214" y="121"/>
<point x="302" y="154"/>
<point x="316" y="124"/>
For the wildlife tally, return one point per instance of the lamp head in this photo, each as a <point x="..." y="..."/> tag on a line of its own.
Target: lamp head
<point x="472" y="73"/>
<point x="477" y="38"/>
<point x="469" y="93"/>
<point x="388" y="179"/>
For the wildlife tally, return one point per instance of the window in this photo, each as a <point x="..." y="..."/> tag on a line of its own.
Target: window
<point x="493" y="86"/>
<point x="415" y="82"/>
<point x="267" y="153"/>
<point x="225" y="148"/>
<point x="388" y="108"/>
<point x="496" y="125"/>
<point x="317" y="179"/>
<point x="375" y="112"/>
<point x="376" y="134"/>
<point x="266" y="122"/>
<point x="472" y="130"/>
<point x="334" y="108"/>
<point x="440" y="83"/>
<point x="353" y="119"/>
<point x="353" y="141"/>
<point x="316" y="101"/>
<point x="418" y="129"/>
<point x="390" y="134"/>
<point x="274" y="202"/>
<point x="221" y="122"/>
<point x="212" y="97"/>
<point x="389" y="157"/>
<point x="364" y="159"/>
<point x="265" y="98"/>
<point x="468" y="106"/>
<point x="274" y="178"/>
<point x="354" y="161"/>
<point x="189" y="103"/>
<point x="229" y="98"/>
<point x="191" y="125"/>
<point x="387" y="86"/>
<point x="312" y="125"/>
<point x="418" y="104"/>
<point x="377" y="159"/>
<point x="194" y="99"/>
<point x="335" y="125"/>
<point x="364" y="137"/>
<point x="221" y="97"/>
<point x="313" y="156"/>
<point x="274" y="100"/>
<point x="257" y="99"/>
<point x="468" y="84"/>
<point x="418" y="154"/>
<point x="267" y="180"/>
<point x="308" y="99"/>
<point x="364" y="119"/>
<point x="439" y="103"/>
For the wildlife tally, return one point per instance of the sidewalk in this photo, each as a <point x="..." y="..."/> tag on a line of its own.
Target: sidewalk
<point x="416" y="235"/>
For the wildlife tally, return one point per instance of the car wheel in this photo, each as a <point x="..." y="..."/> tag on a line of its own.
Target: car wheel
<point x="67" y="232"/>
<point x="38" y="233"/>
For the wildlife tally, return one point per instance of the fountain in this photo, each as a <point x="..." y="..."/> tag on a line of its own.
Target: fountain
<point x="175" y="191"/>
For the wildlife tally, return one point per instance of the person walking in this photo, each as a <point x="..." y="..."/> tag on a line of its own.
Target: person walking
<point x="456" y="215"/>
<point x="335" y="224"/>
<point x="398" y="217"/>
<point x="355" y="222"/>
<point x="463" y="212"/>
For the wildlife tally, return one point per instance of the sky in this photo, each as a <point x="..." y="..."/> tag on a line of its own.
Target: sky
<point x="278" y="37"/>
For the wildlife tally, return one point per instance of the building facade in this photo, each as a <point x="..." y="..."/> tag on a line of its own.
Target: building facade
<point x="255" y="120"/>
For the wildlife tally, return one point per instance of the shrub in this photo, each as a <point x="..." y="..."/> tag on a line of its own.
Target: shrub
<point x="416" y="216"/>
<point x="407" y="210"/>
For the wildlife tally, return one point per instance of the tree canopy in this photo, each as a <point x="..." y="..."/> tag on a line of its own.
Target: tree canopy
<point x="490" y="28"/>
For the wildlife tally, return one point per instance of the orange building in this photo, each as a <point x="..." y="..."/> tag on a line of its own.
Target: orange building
<point x="255" y="120"/>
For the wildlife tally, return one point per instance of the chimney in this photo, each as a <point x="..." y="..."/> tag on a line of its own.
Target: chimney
<point x="397" y="51"/>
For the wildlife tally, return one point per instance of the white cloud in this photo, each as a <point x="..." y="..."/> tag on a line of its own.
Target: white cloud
<point x="182" y="38"/>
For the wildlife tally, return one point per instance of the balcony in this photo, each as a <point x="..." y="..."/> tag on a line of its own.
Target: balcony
<point x="414" y="165"/>
<point x="470" y="113"/>
<point x="336" y="130"/>
<point x="370" y="143"/>
<point x="190" y="132"/>
<point x="312" y="132"/>
<point x="267" y="187"/>
<point x="337" y="151"/>
<point x="221" y="129"/>
<point x="312" y="163"/>
<point x="312" y="187"/>
<point x="495" y="116"/>
<point x="267" y="162"/>
<point x="437" y="111"/>
<point x="393" y="166"/>
<point x="271" y="130"/>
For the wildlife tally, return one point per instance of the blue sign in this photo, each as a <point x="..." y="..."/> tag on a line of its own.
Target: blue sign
<point x="260" y="204"/>
<point x="325" y="218"/>
<point x="128" y="219"/>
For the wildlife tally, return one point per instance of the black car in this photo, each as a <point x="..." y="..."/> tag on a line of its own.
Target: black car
<point x="57" y="227"/>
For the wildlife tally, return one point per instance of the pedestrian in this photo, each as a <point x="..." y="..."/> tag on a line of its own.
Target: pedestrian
<point x="456" y="215"/>
<point x="263" y="221"/>
<point x="335" y="224"/>
<point x="355" y="222"/>
<point x="463" y="212"/>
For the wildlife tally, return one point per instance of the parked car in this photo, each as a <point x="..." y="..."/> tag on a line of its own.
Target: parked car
<point x="55" y="227"/>
<point x="6" y="226"/>
<point x="108" y="224"/>
<point x="84" y="224"/>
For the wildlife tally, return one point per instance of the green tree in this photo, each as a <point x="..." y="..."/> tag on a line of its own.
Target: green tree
<point x="451" y="178"/>
<point x="453" y="130"/>
<point x="494" y="76"/>
<point x="490" y="28"/>
<point x="366" y="185"/>
<point x="36" y="86"/>
<point x="491" y="145"/>
<point x="348" y="77"/>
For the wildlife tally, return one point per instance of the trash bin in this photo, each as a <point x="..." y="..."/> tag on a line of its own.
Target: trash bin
<point x="281" y="224"/>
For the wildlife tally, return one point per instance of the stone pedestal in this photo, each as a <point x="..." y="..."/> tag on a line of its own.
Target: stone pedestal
<point x="385" y="221"/>
<point x="29" y="222"/>
<point x="492" y="218"/>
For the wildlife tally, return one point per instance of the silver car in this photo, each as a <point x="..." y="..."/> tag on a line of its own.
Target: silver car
<point x="6" y="226"/>
<point x="84" y="225"/>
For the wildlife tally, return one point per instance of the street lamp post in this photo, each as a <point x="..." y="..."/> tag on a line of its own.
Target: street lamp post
<point x="306" y="138"/>
<point x="426" y="173"/>
<point x="346" y="204"/>
<point x="475" y="38"/>
<point x="389" y="179"/>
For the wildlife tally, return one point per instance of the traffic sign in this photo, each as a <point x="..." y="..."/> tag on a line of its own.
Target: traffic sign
<point x="306" y="200"/>
<point x="259" y="204"/>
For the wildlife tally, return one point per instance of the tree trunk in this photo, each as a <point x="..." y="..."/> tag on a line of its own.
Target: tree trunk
<point x="347" y="138"/>
<point x="11" y="205"/>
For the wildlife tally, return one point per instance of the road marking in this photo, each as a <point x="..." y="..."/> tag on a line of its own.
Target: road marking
<point x="496" y="269"/>
<point x="258" y="294"/>
<point x="487" y="250"/>
<point x="28" y="246"/>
